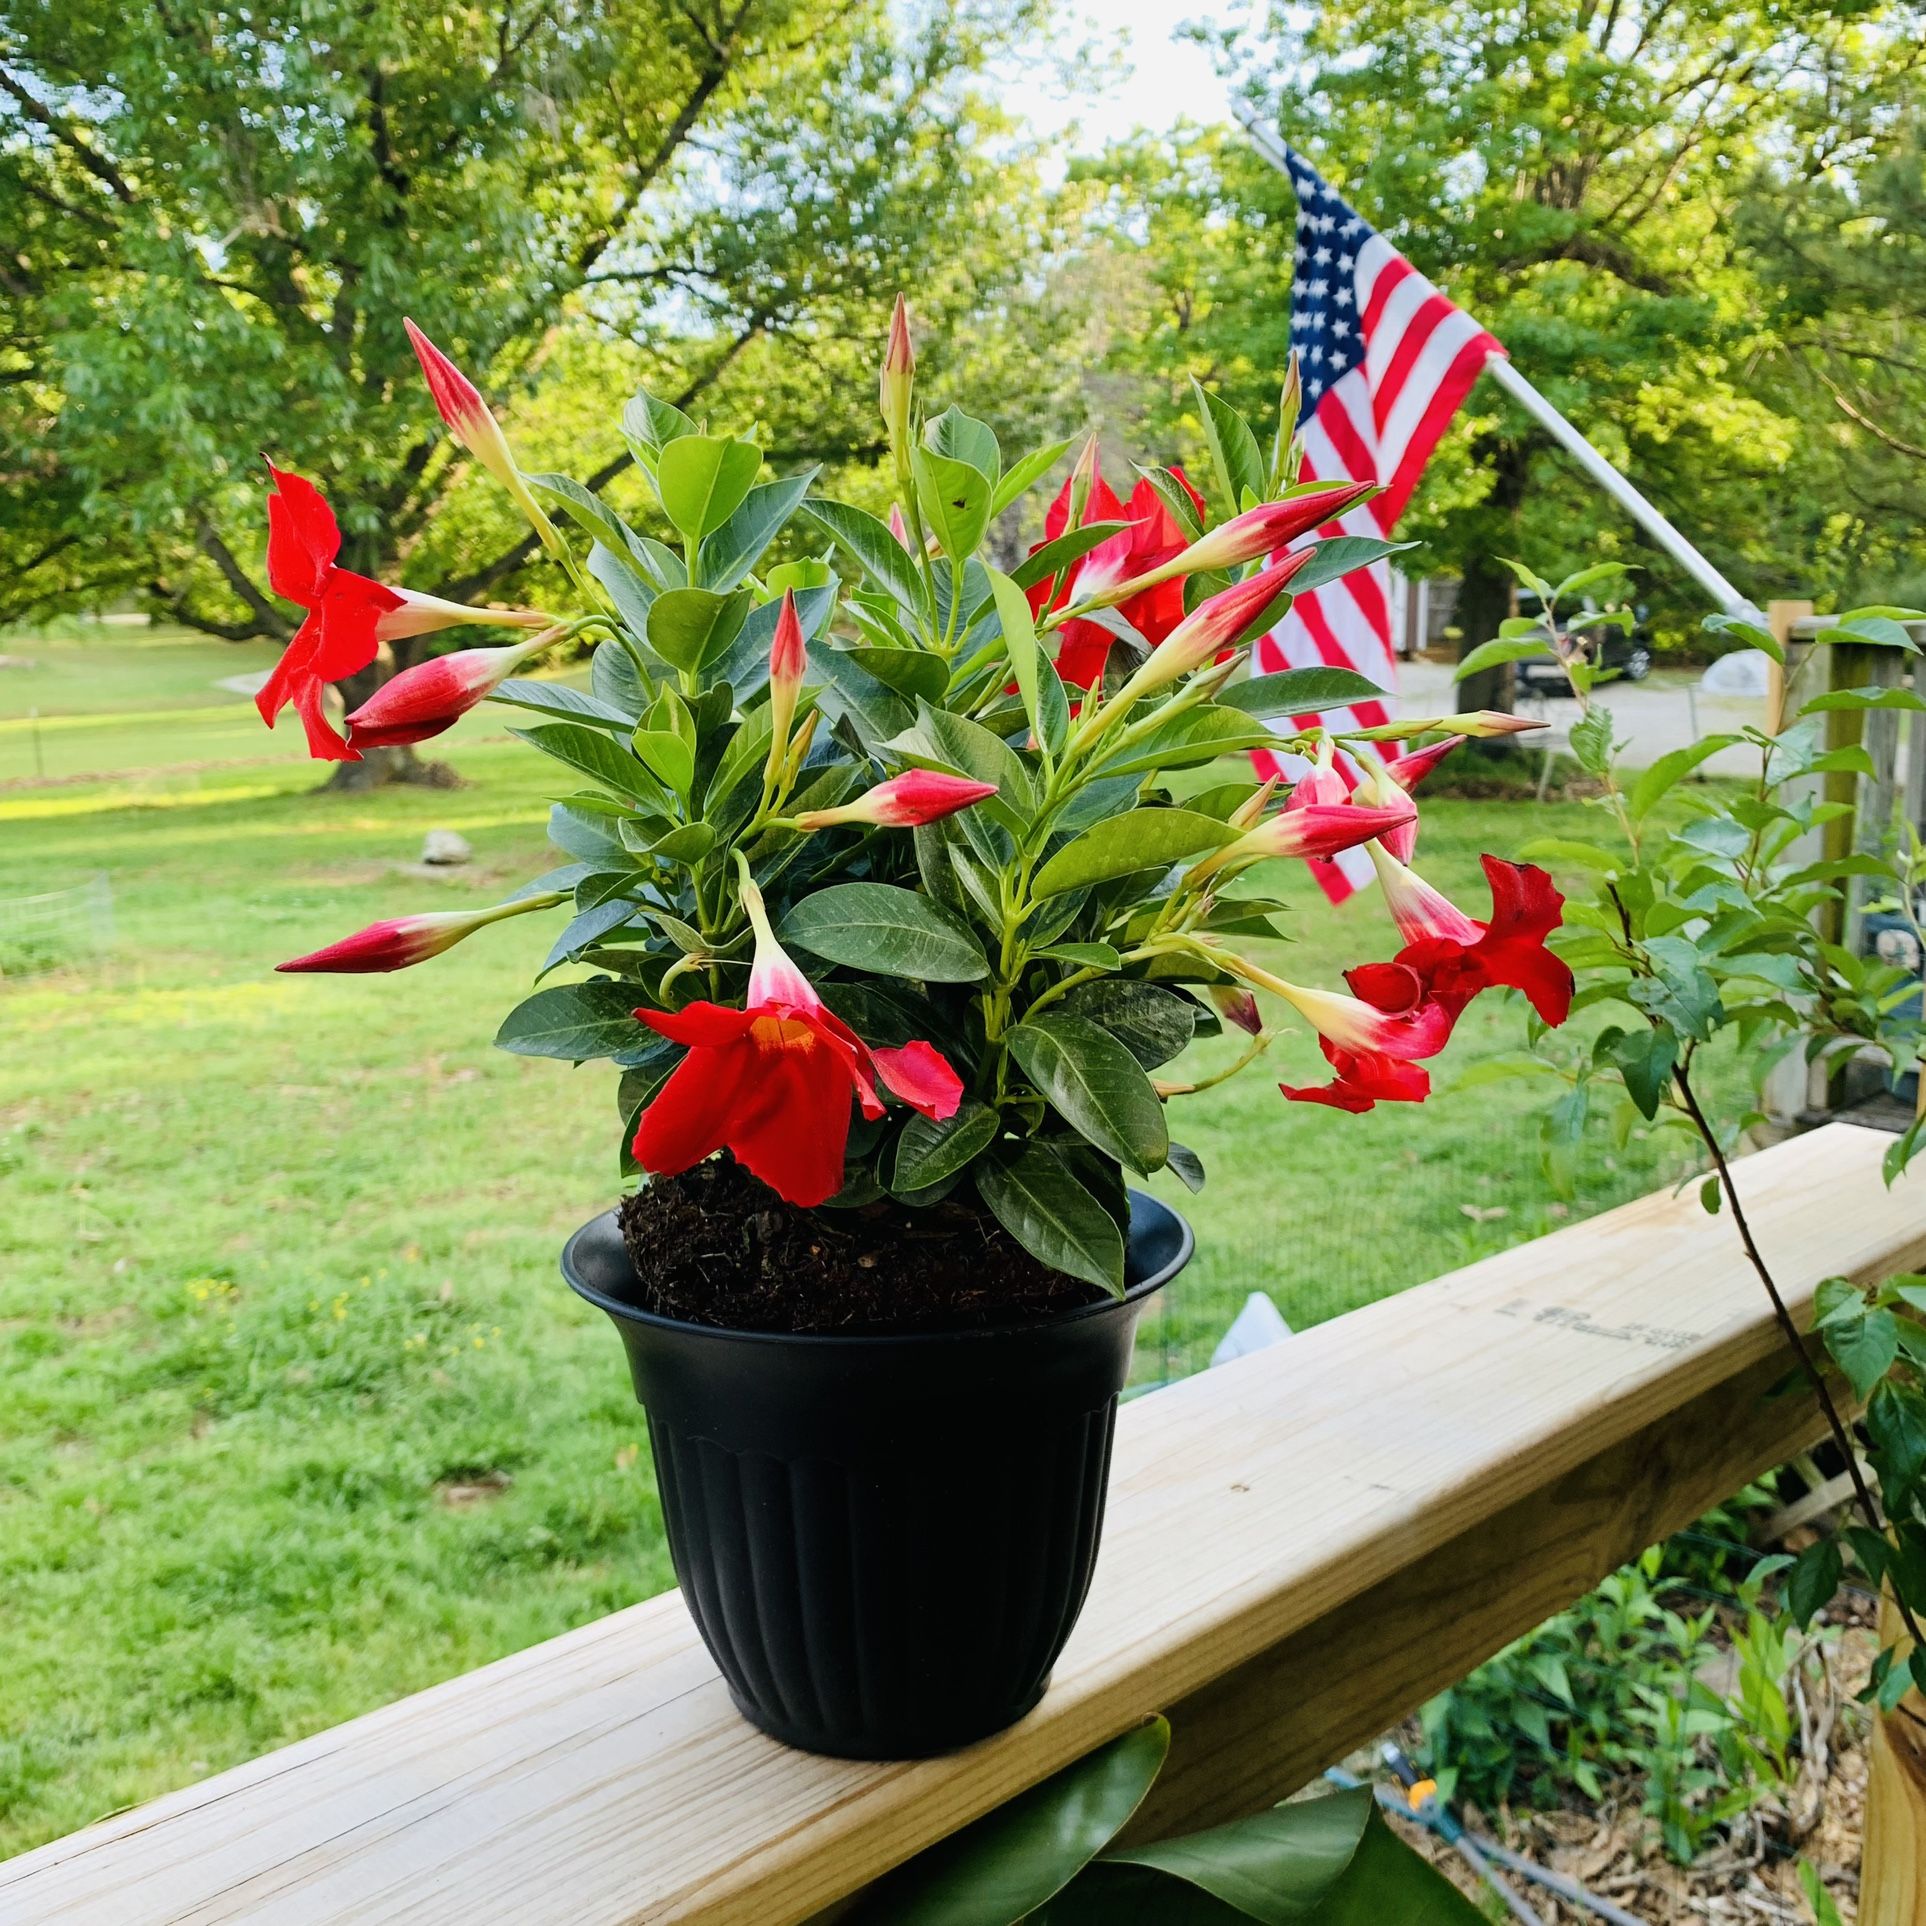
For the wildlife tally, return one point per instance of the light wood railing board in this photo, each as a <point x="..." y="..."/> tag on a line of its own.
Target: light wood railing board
<point x="602" y="1778"/>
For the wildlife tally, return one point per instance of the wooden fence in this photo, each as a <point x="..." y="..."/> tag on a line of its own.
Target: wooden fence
<point x="1302" y="1547"/>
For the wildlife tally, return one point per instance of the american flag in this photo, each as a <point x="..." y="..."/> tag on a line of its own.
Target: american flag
<point x="1386" y="361"/>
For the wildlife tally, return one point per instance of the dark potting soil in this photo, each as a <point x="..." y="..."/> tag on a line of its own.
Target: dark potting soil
<point x="718" y="1246"/>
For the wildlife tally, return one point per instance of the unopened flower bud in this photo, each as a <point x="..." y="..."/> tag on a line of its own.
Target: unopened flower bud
<point x="919" y="796"/>
<point x="1210" y="628"/>
<point x="406" y="940"/>
<point x="434" y="695"/>
<point x="898" y="381"/>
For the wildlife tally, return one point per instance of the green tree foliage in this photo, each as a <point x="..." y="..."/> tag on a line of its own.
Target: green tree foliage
<point x="1576" y="178"/>
<point x="217" y="217"/>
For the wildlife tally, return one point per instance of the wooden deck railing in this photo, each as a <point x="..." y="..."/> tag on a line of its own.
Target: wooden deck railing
<point x="1302" y="1546"/>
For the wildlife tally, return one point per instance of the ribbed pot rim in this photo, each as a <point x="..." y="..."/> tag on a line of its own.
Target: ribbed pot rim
<point x="1153" y="1208"/>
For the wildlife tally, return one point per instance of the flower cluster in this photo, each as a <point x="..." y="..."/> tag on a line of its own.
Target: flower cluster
<point x="946" y="786"/>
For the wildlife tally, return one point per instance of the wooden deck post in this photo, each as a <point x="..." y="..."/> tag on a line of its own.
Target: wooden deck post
<point x="1892" y="1856"/>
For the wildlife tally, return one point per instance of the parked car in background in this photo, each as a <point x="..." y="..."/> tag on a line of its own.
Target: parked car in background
<point x="1619" y="651"/>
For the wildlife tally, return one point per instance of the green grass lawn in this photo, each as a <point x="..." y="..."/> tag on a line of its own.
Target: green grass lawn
<point x="296" y="1415"/>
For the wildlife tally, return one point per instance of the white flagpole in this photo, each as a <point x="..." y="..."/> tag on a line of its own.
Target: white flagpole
<point x="1588" y="458"/>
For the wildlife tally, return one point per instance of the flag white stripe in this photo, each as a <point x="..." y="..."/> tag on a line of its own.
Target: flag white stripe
<point x="1405" y="300"/>
<point x="1448" y="340"/>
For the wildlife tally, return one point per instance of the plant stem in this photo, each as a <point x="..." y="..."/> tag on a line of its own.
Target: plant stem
<point x="1788" y="1324"/>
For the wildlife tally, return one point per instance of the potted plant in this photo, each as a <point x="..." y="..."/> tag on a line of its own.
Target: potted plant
<point x="879" y="895"/>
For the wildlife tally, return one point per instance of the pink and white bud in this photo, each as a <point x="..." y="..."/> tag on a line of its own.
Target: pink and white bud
<point x="1419" y="910"/>
<point x="459" y="403"/>
<point x="904" y="802"/>
<point x="1317" y="829"/>
<point x="1210" y="628"/>
<point x="403" y="941"/>
<point x="897" y="381"/>
<point x="1320" y="784"/>
<point x="433" y="696"/>
<point x="1258" y="531"/>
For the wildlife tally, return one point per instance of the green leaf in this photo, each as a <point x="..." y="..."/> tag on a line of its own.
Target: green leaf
<point x="955" y="499"/>
<point x="1153" y="1023"/>
<point x="628" y="588"/>
<point x="960" y="437"/>
<point x="1590" y="578"/>
<point x="559" y="700"/>
<point x="1197" y="735"/>
<point x="1299" y="692"/>
<point x="890" y="931"/>
<point x="746" y="665"/>
<point x="1591" y="740"/>
<point x="587" y="511"/>
<point x="1552" y="849"/>
<point x="1749" y="633"/>
<point x="1006" y="1865"/>
<point x="616" y="682"/>
<point x="882" y="557"/>
<point x="1096" y="1085"/>
<point x="1490" y="655"/>
<point x="1123" y="845"/>
<point x="1330" y="1861"/>
<point x="689" y="628"/>
<point x="1175" y="497"/>
<point x="575" y="1021"/>
<point x="1033" y="1195"/>
<point x="1670" y="769"/>
<point x="736" y="547"/>
<point x="598" y="758"/>
<point x="1024" y="473"/>
<point x="1528" y="579"/>
<point x="1020" y="644"/>
<point x="1864" y="1349"/>
<point x="649" y="425"/>
<point x="1873" y="627"/>
<point x="667" y="756"/>
<point x="1233" y="450"/>
<point x="1188" y="1166"/>
<point x="1338" y="555"/>
<point x="911" y="672"/>
<point x="704" y="479"/>
<point x="928" y="1151"/>
<point x="1098" y="956"/>
<point x="1814" y="1579"/>
<point x="1855" y="700"/>
<point x="1645" y="1059"/>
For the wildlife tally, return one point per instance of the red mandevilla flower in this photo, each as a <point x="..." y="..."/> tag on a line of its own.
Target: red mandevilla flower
<point x="1153" y="538"/>
<point x="433" y="696"/>
<point x="348" y="618"/>
<point x="771" y="1082"/>
<point x="1262" y="530"/>
<point x="920" y="796"/>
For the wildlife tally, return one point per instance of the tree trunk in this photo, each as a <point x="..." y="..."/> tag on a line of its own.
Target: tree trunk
<point x="380" y="767"/>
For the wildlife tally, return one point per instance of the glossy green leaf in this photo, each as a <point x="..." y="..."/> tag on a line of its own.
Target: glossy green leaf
<point x="566" y="704"/>
<point x="1338" y="555"/>
<point x="1058" y="1220"/>
<point x="703" y="479"/>
<point x="616" y="682"/>
<point x="1492" y="655"/>
<point x="736" y="547"/>
<point x="1153" y="1023"/>
<point x="574" y="1021"/>
<point x="586" y="510"/>
<point x="1750" y="633"/>
<point x="1012" y="1861"/>
<point x="1096" y="1085"/>
<point x="955" y="499"/>
<point x="1020" y="643"/>
<point x="1299" y="692"/>
<point x="595" y="755"/>
<point x="1123" y="845"/>
<point x="960" y="437"/>
<point x="1330" y="1861"/>
<point x="648" y="425"/>
<point x="1197" y="735"/>
<point x="1864" y="1349"/>
<point x="1669" y="769"/>
<point x="928" y="1151"/>
<point x="910" y="672"/>
<point x="1025" y="473"/>
<point x="1233" y="450"/>
<point x="1053" y="557"/>
<point x="690" y="628"/>
<point x="890" y="931"/>
<point x="631" y="592"/>
<point x="883" y="558"/>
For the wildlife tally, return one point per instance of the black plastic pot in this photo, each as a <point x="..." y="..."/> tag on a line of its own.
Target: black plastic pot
<point x="884" y="1540"/>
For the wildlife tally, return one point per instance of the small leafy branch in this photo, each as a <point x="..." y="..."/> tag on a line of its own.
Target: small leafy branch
<point x="1717" y="927"/>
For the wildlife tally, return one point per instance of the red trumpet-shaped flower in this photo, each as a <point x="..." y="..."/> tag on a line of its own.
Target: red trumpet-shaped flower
<point x="1448" y="957"/>
<point x="404" y="941"/>
<point x="1381" y="783"/>
<point x="348" y="617"/>
<point x="1364" y="1080"/>
<point x="435" y="695"/>
<point x="919" y="796"/>
<point x="771" y="1082"/>
<point x="1152" y="538"/>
